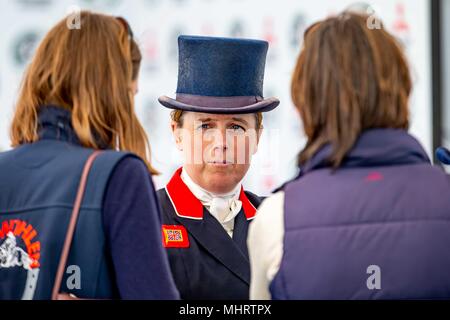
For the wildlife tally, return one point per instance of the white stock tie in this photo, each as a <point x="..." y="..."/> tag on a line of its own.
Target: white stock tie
<point x="224" y="209"/>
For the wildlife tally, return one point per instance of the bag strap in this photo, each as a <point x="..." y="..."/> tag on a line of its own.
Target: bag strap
<point x="72" y="224"/>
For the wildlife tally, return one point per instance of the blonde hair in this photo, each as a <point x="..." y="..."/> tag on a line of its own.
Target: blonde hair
<point x="88" y="71"/>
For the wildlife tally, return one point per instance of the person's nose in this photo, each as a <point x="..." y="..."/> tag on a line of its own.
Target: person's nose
<point x="220" y="140"/>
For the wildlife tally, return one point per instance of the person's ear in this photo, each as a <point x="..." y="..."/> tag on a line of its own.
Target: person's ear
<point x="177" y="134"/>
<point x="260" y="131"/>
<point x="258" y="137"/>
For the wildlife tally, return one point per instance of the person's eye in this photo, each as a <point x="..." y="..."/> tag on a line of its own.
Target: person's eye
<point x="237" y="127"/>
<point x="204" y="126"/>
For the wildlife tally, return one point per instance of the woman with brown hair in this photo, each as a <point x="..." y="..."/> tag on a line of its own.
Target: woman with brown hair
<point x="368" y="217"/>
<point x="77" y="97"/>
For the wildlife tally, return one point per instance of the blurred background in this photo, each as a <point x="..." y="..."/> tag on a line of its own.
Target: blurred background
<point x="422" y="26"/>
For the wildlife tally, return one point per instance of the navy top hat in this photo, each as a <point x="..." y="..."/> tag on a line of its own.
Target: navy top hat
<point x="220" y="75"/>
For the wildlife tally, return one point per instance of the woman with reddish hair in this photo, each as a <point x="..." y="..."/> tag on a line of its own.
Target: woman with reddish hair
<point x="77" y="97"/>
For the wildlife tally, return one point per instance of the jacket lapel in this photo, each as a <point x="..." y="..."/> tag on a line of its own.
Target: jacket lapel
<point x="208" y="232"/>
<point x="240" y="233"/>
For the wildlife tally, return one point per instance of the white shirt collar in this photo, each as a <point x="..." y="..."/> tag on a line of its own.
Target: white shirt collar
<point x="223" y="207"/>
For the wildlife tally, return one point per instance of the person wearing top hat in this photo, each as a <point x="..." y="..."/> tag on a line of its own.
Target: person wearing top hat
<point x="216" y="123"/>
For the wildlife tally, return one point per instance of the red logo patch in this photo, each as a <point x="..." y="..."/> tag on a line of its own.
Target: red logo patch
<point x="175" y="236"/>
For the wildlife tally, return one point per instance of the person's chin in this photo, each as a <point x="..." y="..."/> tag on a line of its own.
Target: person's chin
<point x="220" y="182"/>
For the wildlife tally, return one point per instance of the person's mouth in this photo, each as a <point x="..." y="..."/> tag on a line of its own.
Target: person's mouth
<point x="223" y="163"/>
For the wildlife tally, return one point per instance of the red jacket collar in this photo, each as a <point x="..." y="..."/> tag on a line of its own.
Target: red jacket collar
<point x="186" y="205"/>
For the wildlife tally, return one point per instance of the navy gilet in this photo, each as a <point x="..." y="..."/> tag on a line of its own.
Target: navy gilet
<point x="38" y="185"/>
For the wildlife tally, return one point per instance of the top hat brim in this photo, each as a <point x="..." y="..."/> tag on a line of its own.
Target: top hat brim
<point x="260" y="106"/>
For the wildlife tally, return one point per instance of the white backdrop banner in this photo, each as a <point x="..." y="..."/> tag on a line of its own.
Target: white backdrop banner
<point x="157" y="24"/>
